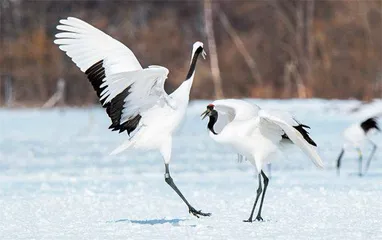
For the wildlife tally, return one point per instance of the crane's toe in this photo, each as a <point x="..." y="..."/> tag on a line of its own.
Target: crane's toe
<point x="198" y="213"/>
<point x="258" y="218"/>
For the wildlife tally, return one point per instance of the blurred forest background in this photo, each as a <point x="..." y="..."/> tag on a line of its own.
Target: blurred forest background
<point x="264" y="48"/>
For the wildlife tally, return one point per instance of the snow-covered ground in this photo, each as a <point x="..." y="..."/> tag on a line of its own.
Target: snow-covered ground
<point x="57" y="181"/>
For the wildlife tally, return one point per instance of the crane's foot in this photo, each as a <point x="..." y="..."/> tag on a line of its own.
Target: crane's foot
<point x="258" y="218"/>
<point x="198" y="213"/>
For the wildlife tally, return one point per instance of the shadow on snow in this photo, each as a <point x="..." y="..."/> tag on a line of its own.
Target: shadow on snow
<point x="174" y="221"/>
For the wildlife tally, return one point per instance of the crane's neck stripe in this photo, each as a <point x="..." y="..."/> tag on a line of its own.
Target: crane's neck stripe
<point x="193" y="63"/>
<point x="213" y="120"/>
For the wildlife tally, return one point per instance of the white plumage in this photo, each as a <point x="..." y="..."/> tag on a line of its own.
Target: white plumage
<point x="355" y="136"/>
<point x="134" y="97"/>
<point x="87" y="45"/>
<point x="257" y="134"/>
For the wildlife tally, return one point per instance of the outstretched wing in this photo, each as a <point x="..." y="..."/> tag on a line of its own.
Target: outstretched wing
<point x="295" y="136"/>
<point x="289" y="119"/>
<point x="236" y="109"/>
<point x="142" y="90"/>
<point x="233" y="109"/>
<point x="123" y="87"/>
<point x="87" y="45"/>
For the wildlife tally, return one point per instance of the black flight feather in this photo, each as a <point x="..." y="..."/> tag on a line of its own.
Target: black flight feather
<point x="96" y="76"/>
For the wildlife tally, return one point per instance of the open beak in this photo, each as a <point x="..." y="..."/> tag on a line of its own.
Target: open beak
<point x="205" y="114"/>
<point x="204" y="54"/>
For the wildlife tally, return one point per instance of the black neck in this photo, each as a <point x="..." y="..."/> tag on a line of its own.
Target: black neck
<point x="213" y="120"/>
<point x="193" y="62"/>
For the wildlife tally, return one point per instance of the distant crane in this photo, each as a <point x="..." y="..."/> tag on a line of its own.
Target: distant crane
<point x="355" y="136"/>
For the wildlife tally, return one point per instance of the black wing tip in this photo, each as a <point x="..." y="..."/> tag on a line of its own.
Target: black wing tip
<point x="305" y="134"/>
<point x="129" y="126"/>
<point x="311" y="142"/>
<point x="94" y="67"/>
<point x="96" y="76"/>
<point x="114" y="108"/>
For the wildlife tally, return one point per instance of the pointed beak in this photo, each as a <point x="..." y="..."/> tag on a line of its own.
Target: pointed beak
<point x="205" y="114"/>
<point x="204" y="54"/>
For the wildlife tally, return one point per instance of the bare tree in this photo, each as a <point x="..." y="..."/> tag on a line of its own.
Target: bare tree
<point x="241" y="47"/>
<point x="302" y="48"/>
<point x="58" y="97"/>
<point x="298" y="21"/>
<point x="208" y="20"/>
<point x="309" y="36"/>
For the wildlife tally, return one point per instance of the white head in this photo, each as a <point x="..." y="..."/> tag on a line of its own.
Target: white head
<point x="199" y="45"/>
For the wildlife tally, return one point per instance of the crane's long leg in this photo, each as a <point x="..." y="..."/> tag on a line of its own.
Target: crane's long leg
<point x="359" y="162"/>
<point x="370" y="157"/>
<point x="170" y="182"/>
<point x="339" y="161"/>
<point x="266" y="180"/>
<point x="259" y="190"/>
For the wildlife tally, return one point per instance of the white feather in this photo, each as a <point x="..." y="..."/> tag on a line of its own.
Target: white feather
<point x="134" y="98"/>
<point x="354" y="136"/>
<point x="87" y="45"/>
<point x="144" y="88"/>
<point x="295" y="137"/>
<point x="256" y="133"/>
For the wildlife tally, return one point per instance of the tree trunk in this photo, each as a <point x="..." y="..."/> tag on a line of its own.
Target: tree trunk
<point x="310" y="43"/>
<point x="241" y="48"/>
<point x="212" y="49"/>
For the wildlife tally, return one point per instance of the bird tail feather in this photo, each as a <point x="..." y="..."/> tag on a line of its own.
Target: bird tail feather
<point x="122" y="147"/>
<point x="129" y="143"/>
